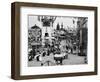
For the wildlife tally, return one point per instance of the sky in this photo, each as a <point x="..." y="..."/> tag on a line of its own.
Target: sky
<point x="66" y="21"/>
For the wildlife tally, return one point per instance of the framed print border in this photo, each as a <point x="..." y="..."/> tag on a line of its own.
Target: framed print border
<point x="15" y="40"/>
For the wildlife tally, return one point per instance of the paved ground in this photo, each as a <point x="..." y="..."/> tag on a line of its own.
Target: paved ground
<point x="72" y="60"/>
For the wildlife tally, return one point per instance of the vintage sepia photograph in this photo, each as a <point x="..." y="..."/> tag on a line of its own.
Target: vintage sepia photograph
<point x="57" y="40"/>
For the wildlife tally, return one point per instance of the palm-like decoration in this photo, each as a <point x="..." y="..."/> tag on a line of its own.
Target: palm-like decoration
<point x="47" y="20"/>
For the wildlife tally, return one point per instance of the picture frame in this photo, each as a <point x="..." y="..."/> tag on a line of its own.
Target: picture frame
<point x="23" y="16"/>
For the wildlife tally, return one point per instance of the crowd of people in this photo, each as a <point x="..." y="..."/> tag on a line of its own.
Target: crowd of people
<point x="49" y="54"/>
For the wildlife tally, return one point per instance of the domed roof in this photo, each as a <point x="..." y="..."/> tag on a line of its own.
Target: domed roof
<point x="35" y="27"/>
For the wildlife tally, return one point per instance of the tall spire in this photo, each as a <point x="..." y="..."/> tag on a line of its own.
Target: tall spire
<point x="58" y="27"/>
<point x="62" y="25"/>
